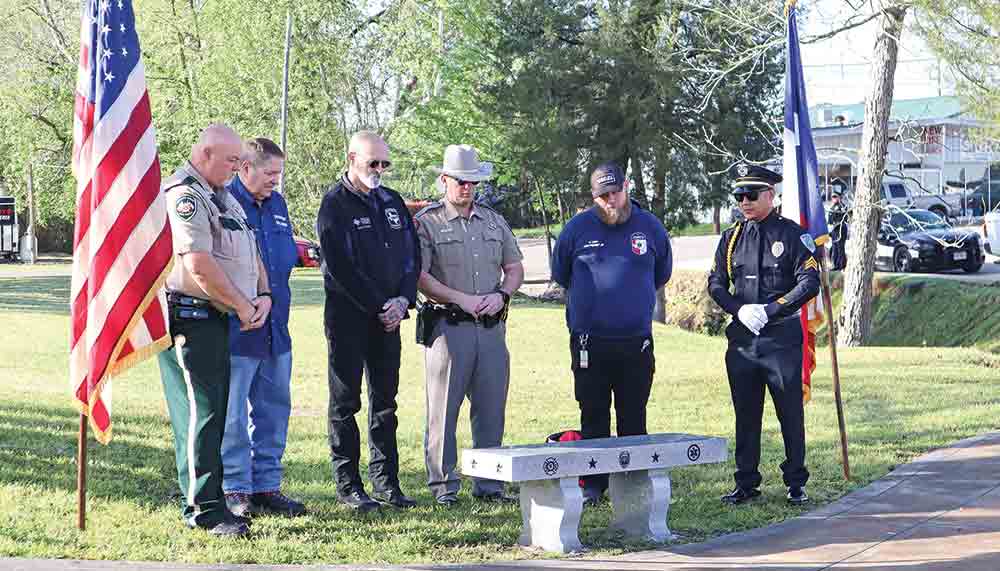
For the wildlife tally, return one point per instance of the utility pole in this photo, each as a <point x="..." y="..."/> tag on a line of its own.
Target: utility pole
<point x="284" y="98"/>
<point x="32" y="244"/>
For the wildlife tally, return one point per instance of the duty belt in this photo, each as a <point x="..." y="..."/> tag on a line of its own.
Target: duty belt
<point x="183" y="306"/>
<point x="454" y="315"/>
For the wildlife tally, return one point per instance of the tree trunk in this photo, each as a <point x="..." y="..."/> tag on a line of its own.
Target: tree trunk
<point x="856" y="312"/>
<point x="717" y="219"/>
<point x="640" y="183"/>
<point x="659" y="203"/>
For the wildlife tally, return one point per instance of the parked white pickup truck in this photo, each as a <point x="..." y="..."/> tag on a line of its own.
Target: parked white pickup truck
<point x="906" y="194"/>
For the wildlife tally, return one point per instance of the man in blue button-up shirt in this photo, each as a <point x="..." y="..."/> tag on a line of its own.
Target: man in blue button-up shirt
<point x="261" y="359"/>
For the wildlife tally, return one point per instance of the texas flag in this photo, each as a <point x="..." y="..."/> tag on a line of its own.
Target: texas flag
<point x="801" y="200"/>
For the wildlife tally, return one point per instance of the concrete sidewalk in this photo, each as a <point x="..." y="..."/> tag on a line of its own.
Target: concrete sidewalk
<point x="940" y="512"/>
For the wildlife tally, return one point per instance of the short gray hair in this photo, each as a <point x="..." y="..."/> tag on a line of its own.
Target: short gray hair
<point x="259" y="150"/>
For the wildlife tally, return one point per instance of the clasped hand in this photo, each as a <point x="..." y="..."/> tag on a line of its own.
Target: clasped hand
<point x="753" y="316"/>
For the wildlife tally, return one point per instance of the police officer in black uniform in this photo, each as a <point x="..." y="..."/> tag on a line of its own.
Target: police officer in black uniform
<point x="371" y="262"/>
<point x="764" y="272"/>
<point x="837" y="216"/>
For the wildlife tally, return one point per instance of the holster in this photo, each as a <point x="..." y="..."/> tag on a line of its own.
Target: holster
<point x="427" y="318"/>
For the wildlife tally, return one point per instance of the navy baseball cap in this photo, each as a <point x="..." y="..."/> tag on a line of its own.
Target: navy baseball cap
<point x="607" y="177"/>
<point x="752" y="177"/>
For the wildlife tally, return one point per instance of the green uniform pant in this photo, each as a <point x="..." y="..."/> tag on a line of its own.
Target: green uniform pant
<point x="195" y="374"/>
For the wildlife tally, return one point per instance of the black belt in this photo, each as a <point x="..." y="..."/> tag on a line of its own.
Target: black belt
<point x="183" y="306"/>
<point x="454" y="315"/>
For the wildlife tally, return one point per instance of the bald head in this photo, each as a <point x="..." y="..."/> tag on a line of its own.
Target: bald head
<point x="217" y="153"/>
<point x="365" y="150"/>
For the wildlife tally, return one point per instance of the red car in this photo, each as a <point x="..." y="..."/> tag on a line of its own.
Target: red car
<point x="308" y="253"/>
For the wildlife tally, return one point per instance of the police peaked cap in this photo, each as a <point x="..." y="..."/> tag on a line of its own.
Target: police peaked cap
<point x="752" y="177"/>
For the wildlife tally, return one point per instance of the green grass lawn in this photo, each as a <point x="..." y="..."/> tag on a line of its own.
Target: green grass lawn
<point x="899" y="403"/>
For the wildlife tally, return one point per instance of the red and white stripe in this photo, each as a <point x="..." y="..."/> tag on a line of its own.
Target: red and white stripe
<point x="122" y="244"/>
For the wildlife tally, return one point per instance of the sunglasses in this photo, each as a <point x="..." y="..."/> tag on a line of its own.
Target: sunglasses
<point x="374" y="164"/>
<point x="753" y="195"/>
<point x="464" y="182"/>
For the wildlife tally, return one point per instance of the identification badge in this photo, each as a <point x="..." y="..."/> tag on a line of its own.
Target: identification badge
<point x="584" y="359"/>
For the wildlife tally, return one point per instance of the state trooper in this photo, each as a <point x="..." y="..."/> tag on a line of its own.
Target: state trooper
<point x="216" y="271"/>
<point x="371" y="262"/>
<point x="764" y="272"/>
<point x="471" y="265"/>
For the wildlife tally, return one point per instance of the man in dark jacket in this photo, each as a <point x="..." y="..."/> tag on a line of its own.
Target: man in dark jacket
<point x="371" y="262"/>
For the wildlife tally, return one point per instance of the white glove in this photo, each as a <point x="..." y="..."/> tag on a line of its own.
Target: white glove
<point x="753" y="317"/>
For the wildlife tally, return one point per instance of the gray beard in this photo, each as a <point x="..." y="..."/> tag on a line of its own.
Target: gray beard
<point x="621" y="216"/>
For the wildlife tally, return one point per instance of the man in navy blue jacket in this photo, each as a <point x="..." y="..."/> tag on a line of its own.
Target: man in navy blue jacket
<point x="611" y="258"/>
<point x="371" y="262"/>
<point x="261" y="359"/>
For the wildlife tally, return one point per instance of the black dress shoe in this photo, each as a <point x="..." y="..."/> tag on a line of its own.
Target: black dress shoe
<point x="230" y="527"/>
<point x="357" y="500"/>
<point x="395" y="498"/>
<point x="497" y="498"/>
<point x="447" y="500"/>
<point x="592" y="496"/>
<point x="277" y="503"/>
<point x="238" y="504"/>
<point x="739" y="495"/>
<point x="797" y="496"/>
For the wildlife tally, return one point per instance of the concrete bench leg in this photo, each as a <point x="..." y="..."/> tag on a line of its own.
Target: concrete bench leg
<point x="551" y="512"/>
<point x="640" y="501"/>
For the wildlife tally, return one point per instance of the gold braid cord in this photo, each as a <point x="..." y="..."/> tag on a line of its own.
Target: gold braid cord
<point x="729" y="251"/>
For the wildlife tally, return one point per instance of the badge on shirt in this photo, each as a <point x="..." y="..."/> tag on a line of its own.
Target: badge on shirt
<point x="186" y="207"/>
<point x="393" y="217"/>
<point x="639" y="245"/>
<point x="808" y="241"/>
<point x="777" y="249"/>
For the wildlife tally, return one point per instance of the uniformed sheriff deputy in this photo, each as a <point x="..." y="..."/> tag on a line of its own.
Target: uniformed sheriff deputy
<point x="217" y="271"/>
<point x="611" y="258"/>
<point x="371" y="262"/>
<point x="471" y="265"/>
<point x="769" y="263"/>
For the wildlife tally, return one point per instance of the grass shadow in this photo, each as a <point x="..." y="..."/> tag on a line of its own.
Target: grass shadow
<point x="35" y="294"/>
<point x="39" y="449"/>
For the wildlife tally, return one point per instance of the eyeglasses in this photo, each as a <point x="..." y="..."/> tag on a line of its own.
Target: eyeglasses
<point x="464" y="182"/>
<point x="753" y="195"/>
<point x="375" y="163"/>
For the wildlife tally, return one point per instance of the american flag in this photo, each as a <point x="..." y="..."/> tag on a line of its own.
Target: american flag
<point x="122" y="245"/>
<point x="800" y="199"/>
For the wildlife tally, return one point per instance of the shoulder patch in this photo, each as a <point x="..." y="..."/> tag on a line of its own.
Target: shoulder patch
<point x="428" y="208"/>
<point x="807" y="240"/>
<point x="186" y="207"/>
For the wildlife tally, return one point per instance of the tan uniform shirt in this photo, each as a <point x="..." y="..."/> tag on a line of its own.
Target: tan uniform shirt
<point x="465" y="255"/>
<point x="199" y="224"/>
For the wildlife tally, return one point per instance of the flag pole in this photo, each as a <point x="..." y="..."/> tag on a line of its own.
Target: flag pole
<point x="832" y="332"/>
<point x="81" y="475"/>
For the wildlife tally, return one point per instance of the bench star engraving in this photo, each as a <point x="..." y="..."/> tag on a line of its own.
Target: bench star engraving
<point x="592" y="463"/>
<point x="656" y="457"/>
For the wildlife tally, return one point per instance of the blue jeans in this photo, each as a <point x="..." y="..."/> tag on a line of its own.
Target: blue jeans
<point x="256" y="423"/>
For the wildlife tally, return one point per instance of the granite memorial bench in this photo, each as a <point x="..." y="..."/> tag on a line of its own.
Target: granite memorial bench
<point x="551" y="498"/>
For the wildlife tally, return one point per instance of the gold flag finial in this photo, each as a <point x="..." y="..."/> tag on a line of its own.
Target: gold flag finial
<point x="789" y="4"/>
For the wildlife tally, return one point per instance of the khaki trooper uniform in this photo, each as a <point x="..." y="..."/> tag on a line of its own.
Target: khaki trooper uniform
<point x="195" y="370"/>
<point x="464" y="357"/>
